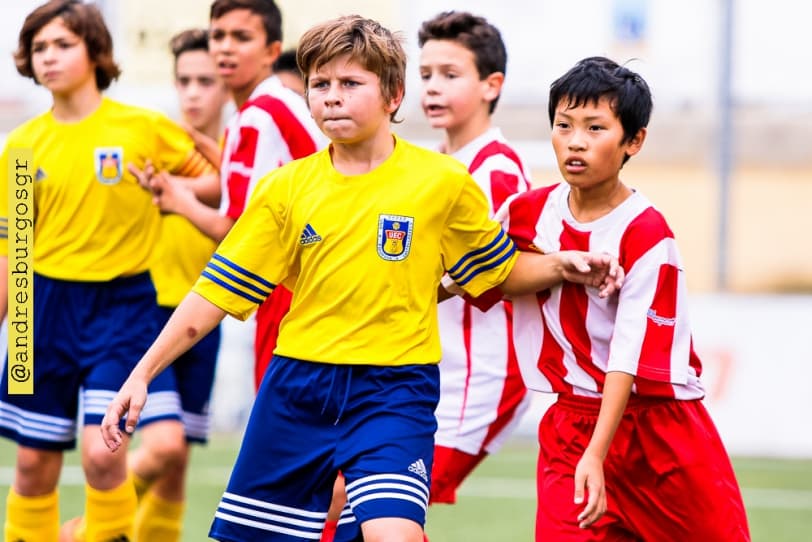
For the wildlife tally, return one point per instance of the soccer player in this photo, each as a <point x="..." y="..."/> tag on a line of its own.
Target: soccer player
<point x="628" y="451"/>
<point x="482" y="396"/>
<point x="159" y="464"/>
<point x="362" y="232"/>
<point x="95" y="232"/>
<point x="271" y="127"/>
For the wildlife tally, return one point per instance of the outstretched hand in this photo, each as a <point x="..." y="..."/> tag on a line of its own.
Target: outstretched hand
<point x="143" y="176"/>
<point x="599" y="270"/>
<point x="129" y="402"/>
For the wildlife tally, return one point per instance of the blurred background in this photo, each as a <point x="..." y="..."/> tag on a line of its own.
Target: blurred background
<point x="728" y="160"/>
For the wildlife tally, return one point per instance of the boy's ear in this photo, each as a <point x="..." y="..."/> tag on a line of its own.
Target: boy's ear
<point x="636" y="143"/>
<point x="493" y="86"/>
<point x="272" y="52"/>
<point x="396" y="100"/>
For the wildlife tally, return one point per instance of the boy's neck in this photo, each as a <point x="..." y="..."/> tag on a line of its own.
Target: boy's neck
<point x="459" y="136"/>
<point x="363" y="157"/>
<point x="588" y="205"/>
<point x="76" y="105"/>
<point x="241" y="95"/>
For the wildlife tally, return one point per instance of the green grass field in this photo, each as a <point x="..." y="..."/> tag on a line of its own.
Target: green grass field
<point x="496" y="503"/>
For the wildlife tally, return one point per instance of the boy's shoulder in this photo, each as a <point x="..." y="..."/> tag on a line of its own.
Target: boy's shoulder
<point x="419" y="156"/>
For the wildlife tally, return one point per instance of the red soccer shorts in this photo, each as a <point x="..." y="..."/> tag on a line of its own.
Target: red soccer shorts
<point x="450" y="468"/>
<point x="668" y="476"/>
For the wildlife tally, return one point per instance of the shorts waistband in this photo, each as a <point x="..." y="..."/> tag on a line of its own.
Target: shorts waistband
<point x="592" y="405"/>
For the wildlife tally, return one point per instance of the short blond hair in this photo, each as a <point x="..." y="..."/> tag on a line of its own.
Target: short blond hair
<point x="366" y="41"/>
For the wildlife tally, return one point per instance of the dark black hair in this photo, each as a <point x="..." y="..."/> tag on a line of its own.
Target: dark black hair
<point x="598" y="77"/>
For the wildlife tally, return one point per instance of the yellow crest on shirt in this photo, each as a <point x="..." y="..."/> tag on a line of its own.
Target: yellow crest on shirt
<point x="394" y="236"/>
<point x="107" y="163"/>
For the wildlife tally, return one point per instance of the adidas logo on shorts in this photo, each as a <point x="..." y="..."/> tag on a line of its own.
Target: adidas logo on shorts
<point x="419" y="468"/>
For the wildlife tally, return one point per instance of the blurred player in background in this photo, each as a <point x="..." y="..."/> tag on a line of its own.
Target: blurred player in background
<point x="288" y="72"/>
<point x="158" y="466"/>
<point x="95" y="230"/>
<point x="482" y="396"/>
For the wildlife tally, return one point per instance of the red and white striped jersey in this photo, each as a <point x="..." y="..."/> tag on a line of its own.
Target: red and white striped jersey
<point x="271" y="128"/>
<point x="482" y="394"/>
<point x="567" y="338"/>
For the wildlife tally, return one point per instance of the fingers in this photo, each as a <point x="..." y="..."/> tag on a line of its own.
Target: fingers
<point x="110" y="430"/>
<point x="143" y="176"/>
<point x="595" y="506"/>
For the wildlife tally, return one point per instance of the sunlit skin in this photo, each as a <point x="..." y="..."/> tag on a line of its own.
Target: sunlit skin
<point x="200" y="90"/>
<point x="589" y="149"/>
<point x="237" y="42"/>
<point x="454" y="98"/>
<point x="61" y="64"/>
<point x="348" y="105"/>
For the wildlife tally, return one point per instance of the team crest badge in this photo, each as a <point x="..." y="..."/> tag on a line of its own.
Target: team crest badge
<point x="108" y="164"/>
<point x="394" y="237"/>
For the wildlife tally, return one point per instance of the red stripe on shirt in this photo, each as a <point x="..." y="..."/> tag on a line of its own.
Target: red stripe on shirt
<point x="514" y="390"/>
<point x="299" y="141"/>
<point x="574" y="304"/>
<point x="655" y="352"/>
<point x="503" y="184"/>
<point x="642" y="233"/>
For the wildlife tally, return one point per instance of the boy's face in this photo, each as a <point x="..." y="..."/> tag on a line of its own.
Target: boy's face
<point x="237" y="44"/>
<point x="453" y="95"/>
<point x="201" y="92"/>
<point x="60" y="60"/>
<point x="587" y="143"/>
<point x="346" y="101"/>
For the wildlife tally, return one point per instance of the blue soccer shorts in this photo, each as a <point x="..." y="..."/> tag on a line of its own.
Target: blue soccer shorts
<point x="194" y="374"/>
<point x="88" y="336"/>
<point x="376" y="424"/>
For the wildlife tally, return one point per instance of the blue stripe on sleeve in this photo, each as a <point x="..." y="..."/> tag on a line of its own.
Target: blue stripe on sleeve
<point x="477" y="252"/>
<point x="472" y="265"/>
<point x="244" y="283"/>
<point x="484" y="268"/>
<point x="231" y="288"/>
<point x="243" y="271"/>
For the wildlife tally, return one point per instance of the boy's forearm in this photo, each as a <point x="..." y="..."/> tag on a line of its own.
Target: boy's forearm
<point x="194" y="318"/>
<point x="616" y="391"/>
<point x="206" y="188"/>
<point x="207" y="219"/>
<point x="533" y="273"/>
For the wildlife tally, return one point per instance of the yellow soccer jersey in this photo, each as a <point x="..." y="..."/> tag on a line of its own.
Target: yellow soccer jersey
<point x="180" y="255"/>
<point x="93" y="222"/>
<point x="363" y="255"/>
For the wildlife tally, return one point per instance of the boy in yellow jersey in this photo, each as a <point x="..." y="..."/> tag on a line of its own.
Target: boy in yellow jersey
<point x="95" y="231"/>
<point x="159" y="464"/>
<point x="362" y="233"/>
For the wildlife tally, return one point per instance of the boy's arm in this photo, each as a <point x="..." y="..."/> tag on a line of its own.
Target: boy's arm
<point x="173" y="197"/>
<point x="589" y="471"/>
<point x="204" y="144"/>
<point x="534" y="272"/>
<point x="191" y="321"/>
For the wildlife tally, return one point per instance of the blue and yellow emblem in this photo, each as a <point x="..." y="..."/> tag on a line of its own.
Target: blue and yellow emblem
<point x="394" y="236"/>
<point x="107" y="163"/>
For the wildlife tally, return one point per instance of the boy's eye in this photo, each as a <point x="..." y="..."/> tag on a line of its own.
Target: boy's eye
<point x="595" y="127"/>
<point x="216" y="35"/>
<point x="425" y="76"/>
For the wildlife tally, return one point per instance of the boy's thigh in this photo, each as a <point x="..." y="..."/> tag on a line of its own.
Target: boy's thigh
<point x="282" y="482"/>
<point x="387" y="443"/>
<point x="680" y="484"/>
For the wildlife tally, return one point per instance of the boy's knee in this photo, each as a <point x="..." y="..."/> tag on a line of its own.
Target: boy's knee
<point x="164" y="442"/>
<point x="37" y="471"/>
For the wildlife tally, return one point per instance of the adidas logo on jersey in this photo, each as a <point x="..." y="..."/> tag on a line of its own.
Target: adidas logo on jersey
<point x="419" y="468"/>
<point x="309" y="236"/>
